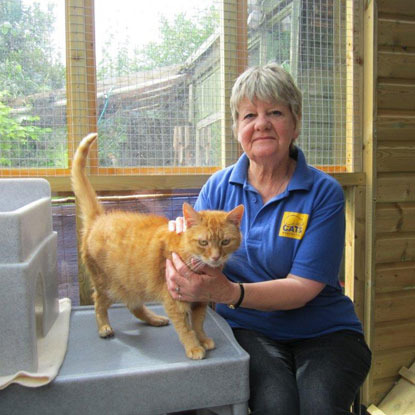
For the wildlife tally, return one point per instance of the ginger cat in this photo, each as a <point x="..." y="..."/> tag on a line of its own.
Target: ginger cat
<point x="125" y="254"/>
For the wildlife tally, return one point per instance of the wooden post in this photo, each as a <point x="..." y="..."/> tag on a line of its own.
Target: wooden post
<point x="233" y="60"/>
<point x="369" y="167"/>
<point x="81" y="96"/>
<point x="355" y="245"/>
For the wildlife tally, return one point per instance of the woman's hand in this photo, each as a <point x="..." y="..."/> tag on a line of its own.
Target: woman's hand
<point x="178" y="225"/>
<point x="211" y="285"/>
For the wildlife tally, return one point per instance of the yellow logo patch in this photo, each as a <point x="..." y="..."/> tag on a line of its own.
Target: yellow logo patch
<point x="293" y="225"/>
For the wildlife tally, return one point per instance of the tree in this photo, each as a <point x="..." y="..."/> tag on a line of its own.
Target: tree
<point x="28" y="60"/>
<point x="16" y="134"/>
<point x="28" y="65"/>
<point x="179" y="39"/>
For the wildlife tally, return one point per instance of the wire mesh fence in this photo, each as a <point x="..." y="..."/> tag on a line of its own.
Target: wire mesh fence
<point x="155" y="83"/>
<point x="156" y="86"/>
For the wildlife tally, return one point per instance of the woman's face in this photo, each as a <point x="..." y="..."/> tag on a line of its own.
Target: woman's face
<point x="265" y="130"/>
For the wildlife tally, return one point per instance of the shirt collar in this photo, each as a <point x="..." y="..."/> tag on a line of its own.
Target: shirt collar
<point x="240" y="170"/>
<point x="301" y="179"/>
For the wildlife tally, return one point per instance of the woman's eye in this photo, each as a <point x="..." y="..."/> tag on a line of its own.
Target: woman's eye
<point x="203" y="242"/>
<point x="276" y="112"/>
<point x="250" y="115"/>
<point x="226" y="242"/>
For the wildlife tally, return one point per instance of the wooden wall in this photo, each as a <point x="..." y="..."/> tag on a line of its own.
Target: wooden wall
<point x="393" y="306"/>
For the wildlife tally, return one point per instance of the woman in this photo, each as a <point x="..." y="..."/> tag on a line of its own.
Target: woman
<point x="280" y="291"/>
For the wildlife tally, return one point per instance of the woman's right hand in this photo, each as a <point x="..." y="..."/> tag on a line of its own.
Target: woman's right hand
<point x="178" y="225"/>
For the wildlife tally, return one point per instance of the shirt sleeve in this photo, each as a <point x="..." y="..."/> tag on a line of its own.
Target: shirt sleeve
<point x="207" y="199"/>
<point x="202" y="201"/>
<point x="319" y="254"/>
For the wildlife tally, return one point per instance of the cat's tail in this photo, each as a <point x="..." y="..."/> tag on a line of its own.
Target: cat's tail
<point x="84" y="192"/>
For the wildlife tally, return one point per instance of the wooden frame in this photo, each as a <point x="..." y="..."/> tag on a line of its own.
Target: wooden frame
<point x="369" y="165"/>
<point x="82" y="119"/>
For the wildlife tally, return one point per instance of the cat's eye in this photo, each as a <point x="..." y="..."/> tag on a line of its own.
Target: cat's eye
<point x="203" y="242"/>
<point x="226" y="242"/>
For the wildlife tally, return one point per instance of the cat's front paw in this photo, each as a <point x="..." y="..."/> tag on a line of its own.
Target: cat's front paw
<point x="159" y="321"/>
<point x="208" y="343"/>
<point x="106" y="331"/>
<point x="196" y="353"/>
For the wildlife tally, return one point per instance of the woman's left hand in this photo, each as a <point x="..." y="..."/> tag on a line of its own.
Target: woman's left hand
<point x="211" y="285"/>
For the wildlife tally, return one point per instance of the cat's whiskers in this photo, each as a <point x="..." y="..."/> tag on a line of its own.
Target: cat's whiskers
<point x="195" y="264"/>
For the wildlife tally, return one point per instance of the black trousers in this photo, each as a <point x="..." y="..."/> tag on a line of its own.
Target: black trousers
<point x="318" y="376"/>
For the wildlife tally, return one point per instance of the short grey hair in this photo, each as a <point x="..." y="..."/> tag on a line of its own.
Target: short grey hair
<point x="269" y="83"/>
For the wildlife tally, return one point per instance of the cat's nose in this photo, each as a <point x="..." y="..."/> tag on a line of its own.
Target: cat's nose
<point x="215" y="257"/>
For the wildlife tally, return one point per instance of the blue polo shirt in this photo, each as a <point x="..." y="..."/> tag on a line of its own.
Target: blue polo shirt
<point x="300" y="231"/>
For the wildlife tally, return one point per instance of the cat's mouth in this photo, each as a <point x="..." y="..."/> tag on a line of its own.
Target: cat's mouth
<point x="198" y="263"/>
<point x="215" y="263"/>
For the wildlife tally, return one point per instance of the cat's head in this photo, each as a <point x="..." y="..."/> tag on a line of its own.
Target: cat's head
<point x="212" y="235"/>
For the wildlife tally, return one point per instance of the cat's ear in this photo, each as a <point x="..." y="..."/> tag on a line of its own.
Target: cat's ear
<point x="235" y="215"/>
<point x="191" y="216"/>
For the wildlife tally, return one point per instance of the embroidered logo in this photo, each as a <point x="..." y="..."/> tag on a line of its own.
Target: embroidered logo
<point x="293" y="225"/>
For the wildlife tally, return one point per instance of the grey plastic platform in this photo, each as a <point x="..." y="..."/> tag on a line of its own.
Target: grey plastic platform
<point x="141" y="371"/>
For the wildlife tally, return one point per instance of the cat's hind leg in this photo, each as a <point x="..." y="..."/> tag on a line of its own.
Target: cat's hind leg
<point x="102" y="303"/>
<point x="198" y="318"/>
<point x="145" y="314"/>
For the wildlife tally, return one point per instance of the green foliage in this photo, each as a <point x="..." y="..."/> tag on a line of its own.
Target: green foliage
<point x="179" y="38"/>
<point x="29" y="64"/>
<point x="28" y="61"/>
<point x="15" y="135"/>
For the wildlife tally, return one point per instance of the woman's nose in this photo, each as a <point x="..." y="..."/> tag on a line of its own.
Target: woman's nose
<point x="262" y="122"/>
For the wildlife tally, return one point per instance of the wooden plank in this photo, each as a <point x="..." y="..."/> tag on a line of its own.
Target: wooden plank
<point x="395" y="247"/>
<point x="350" y="179"/>
<point x="355" y="243"/>
<point x="404" y="7"/>
<point x="81" y="98"/>
<point x="396" y="30"/>
<point x="381" y="387"/>
<point x="374" y="410"/>
<point x="233" y="36"/>
<point x="395" y="276"/>
<point x="396" y="114"/>
<point x="395" y="306"/>
<point x="396" y="64"/>
<point x="80" y="74"/>
<point x="164" y="181"/>
<point x="400" y="400"/>
<point x="395" y="217"/>
<point x="396" y="96"/>
<point x="399" y="129"/>
<point x="370" y="74"/>
<point x="394" y="158"/>
<point x="125" y="183"/>
<point x="354" y="83"/>
<point x="387" y="363"/>
<point x="32" y="172"/>
<point x="394" y="335"/>
<point x="408" y="375"/>
<point x="396" y="187"/>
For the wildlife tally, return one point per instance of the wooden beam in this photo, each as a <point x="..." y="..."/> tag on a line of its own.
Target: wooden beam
<point x="369" y="167"/>
<point x="166" y="181"/>
<point x="81" y="98"/>
<point x="80" y="78"/>
<point x="355" y="245"/>
<point x="233" y="60"/>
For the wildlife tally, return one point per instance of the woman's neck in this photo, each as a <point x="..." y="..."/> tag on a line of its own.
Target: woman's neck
<point x="270" y="181"/>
